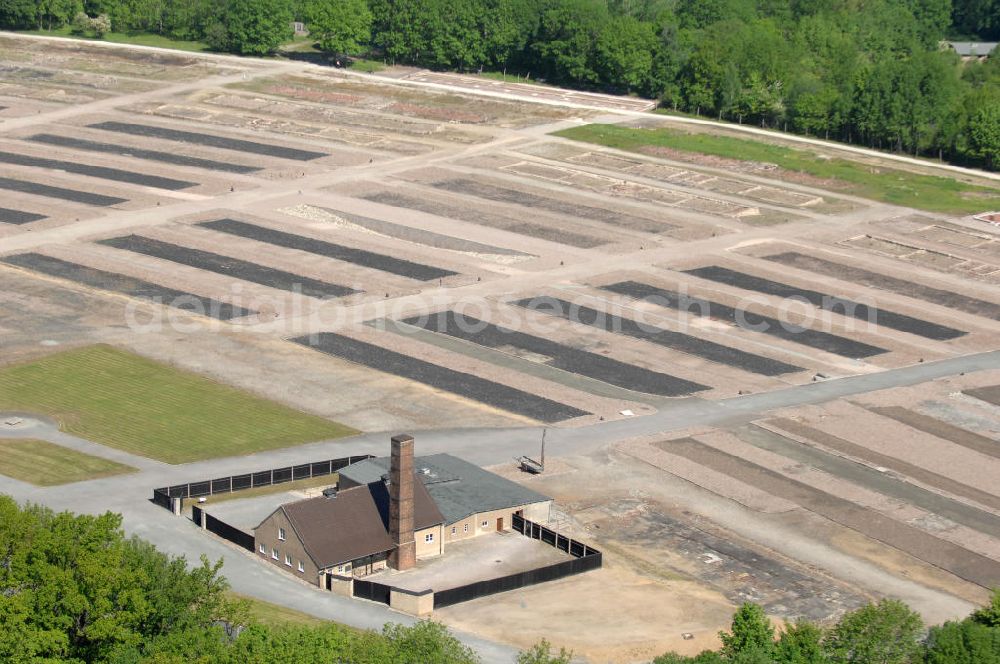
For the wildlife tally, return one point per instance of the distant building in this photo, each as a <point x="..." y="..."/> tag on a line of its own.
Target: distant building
<point x="970" y="50"/>
<point x="392" y="512"/>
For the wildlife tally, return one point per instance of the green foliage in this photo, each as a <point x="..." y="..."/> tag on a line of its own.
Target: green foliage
<point x="989" y="615"/>
<point x="926" y="192"/>
<point x="888" y="633"/>
<point x="253" y="27"/>
<point x="751" y="634"/>
<point x="541" y="653"/>
<point x="965" y="642"/>
<point x="339" y="26"/>
<point x="800" y="643"/>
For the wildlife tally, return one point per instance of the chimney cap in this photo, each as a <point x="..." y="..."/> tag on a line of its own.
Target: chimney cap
<point x="402" y="438"/>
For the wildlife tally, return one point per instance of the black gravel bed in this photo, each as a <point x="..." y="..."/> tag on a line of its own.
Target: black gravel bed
<point x="120" y="283"/>
<point x="473" y="216"/>
<point x="884" y="282"/>
<point x="675" y="340"/>
<point x="961" y="562"/>
<point x="48" y="191"/>
<point x="233" y="267"/>
<point x="466" y="385"/>
<point x="138" y="153"/>
<point x="339" y="252"/>
<point x="505" y="195"/>
<point x="210" y="140"/>
<point x="744" y="319"/>
<point x="827" y="302"/>
<point x="563" y="357"/>
<point x="8" y="216"/>
<point x="102" y="172"/>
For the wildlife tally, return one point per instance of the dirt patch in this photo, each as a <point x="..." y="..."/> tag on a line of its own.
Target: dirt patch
<point x="748" y="167"/>
<point x="431" y="113"/>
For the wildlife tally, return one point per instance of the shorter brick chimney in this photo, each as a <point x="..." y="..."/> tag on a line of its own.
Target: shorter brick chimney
<point x="404" y="553"/>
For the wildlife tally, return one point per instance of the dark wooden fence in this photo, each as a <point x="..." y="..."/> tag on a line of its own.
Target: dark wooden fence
<point x="376" y="592"/>
<point x="221" y="528"/>
<point x="232" y="483"/>
<point x="585" y="558"/>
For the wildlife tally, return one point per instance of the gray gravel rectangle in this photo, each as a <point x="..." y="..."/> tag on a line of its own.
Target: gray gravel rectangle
<point x="742" y="318"/>
<point x="675" y="340"/>
<point x="339" y="252"/>
<point x="516" y="197"/>
<point x="561" y="356"/>
<point x="866" y="476"/>
<point x="474" y="216"/>
<point x="465" y="385"/>
<point x="120" y="283"/>
<point x="941" y="553"/>
<point x="210" y="140"/>
<point x="139" y="153"/>
<point x="115" y="174"/>
<point x="827" y="302"/>
<point x="61" y="193"/>
<point x="989" y="394"/>
<point x="8" y="216"/>
<point x="939" y="429"/>
<point x="233" y="267"/>
<point x="884" y="282"/>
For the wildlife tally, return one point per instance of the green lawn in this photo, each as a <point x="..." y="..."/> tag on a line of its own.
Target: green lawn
<point x="139" y="39"/>
<point x="273" y="615"/>
<point x="134" y="404"/>
<point x="47" y="464"/>
<point x="898" y="187"/>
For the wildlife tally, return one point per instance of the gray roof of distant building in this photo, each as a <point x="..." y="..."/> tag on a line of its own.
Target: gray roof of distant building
<point x="973" y="48"/>
<point x="459" y="488"/>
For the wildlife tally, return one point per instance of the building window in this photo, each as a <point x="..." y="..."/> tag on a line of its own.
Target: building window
<point x="288" y="560"/>
<point x="262" y="549"/>
<point x="486" y="524"/>
<point x="301" y="568"/>
<point x="281" y="534"/>
<point x="429" y="537"/>
<point x="274" y="554"/>
<point x="454" y="530"/>
<point x="465" y="528"/>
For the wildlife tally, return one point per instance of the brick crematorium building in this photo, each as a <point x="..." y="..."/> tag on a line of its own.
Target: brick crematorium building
<point x="392" y="512"/>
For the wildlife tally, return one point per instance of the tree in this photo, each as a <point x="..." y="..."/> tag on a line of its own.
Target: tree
<point x="984" y="127"/>
<point x="541" y="653"/>
<point x="625" y="53"/>
<point x="883" y="633"/>
<point x="751" y="631"/>
<point x="965" y="642"/>
<point x="255" y="27"/>
<point x="568" y="33"/>
<point x="427" y="642"/>
<point x="340" y="26"/>
<point x="18" y="14"/>
<point x="800" y="643"/>
<point x="989" y="615"/>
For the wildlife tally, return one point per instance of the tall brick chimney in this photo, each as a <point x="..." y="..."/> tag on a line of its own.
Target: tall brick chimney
<point x="404" y="554"/>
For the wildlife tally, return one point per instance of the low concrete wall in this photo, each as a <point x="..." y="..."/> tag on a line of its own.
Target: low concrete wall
<point x="341" y="585"/>
<point x="412" y="602"/>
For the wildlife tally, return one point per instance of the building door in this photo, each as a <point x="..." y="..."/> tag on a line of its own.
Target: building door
<point x="499" y="524"/>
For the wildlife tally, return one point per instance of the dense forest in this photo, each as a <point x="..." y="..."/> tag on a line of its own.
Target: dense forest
<point x="871" y="72"/>
<point x="73" y="588"/>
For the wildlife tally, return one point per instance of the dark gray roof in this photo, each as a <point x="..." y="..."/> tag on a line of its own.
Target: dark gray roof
<point x="966" y="49"/>
<point x="458" y="487"/>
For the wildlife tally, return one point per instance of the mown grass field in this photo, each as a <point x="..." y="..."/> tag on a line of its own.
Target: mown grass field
<point x="897" y="187"/>
<point x="46" y="464"/>
<point x="139" y="39"/>
<point x="122" y="400"/>
<point x="274" y="615"/>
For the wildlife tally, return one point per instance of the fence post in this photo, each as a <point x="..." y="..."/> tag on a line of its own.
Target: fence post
<point x="175" y="506"/>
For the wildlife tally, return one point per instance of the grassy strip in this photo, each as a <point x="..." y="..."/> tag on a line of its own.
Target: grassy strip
<point x="274" y="615"/>
<point x="131" y="403"/>
<point x="898" y="187"/>
<point x="43" y="463"/>
<point x="257" y="492"/>
<point x="138" y="39"/>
